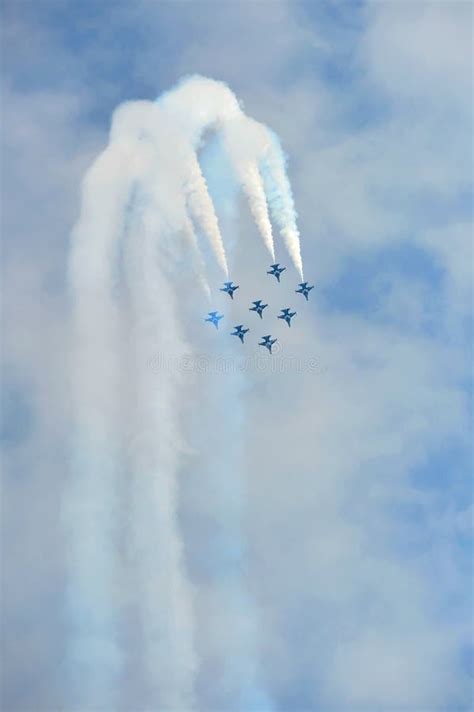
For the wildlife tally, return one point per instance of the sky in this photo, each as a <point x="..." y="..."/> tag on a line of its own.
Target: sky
<point x="321" y="510"/>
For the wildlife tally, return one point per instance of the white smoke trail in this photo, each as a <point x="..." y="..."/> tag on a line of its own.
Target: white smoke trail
<point x="252" y="185"/>
<point x="246" y="142"/>
<point x="145" y="194"/>
<point x="160" y="583"/>
<point x="198" y="104"/>
<point x="202" y="210"/>
<point x="194" y="106"/>
<point x="91" y="505"/>
<point x="143" y="121"/>
<point x="280" y="199"/>
<point x="157" y="217"/>
<point x="198" y="262"/>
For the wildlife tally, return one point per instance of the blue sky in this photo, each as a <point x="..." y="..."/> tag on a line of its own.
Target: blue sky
<point x="359" y="553"/>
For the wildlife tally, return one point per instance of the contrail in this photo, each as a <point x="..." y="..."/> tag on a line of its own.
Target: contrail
<point x="246" y="142"/>
<point x="161" y="588"/>
<point x="91" y="505"/>
<point x="160" y="583"/>
<point x="143" y="201"/>
<point x="91" y="502"/>
<point x="202" y="210"/>
<point x="252" y="185"/>
<point x="137" y="124"/>
<point x="216" y="103"/>
<point x="198" y="261"/>
<point x="280" y="199"/>
<point x="198" y="104"/>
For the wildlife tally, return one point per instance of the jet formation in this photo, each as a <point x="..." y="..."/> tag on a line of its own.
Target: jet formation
<point x="258" y="306"/>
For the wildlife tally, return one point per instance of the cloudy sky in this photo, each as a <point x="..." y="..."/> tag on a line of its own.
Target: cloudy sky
<point x="324" y="524"/>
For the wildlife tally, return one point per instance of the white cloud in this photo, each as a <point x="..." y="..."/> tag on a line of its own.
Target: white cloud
<point x="420" y="51"/>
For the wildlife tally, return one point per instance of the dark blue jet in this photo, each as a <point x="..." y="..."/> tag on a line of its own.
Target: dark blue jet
<point x="287" y="315"/>
<point x="258" y="307"/>
<point x="276" y="270"/>
<point x="268" y="342"/>
<point x="240" y="332"/>
<point x="214" y="318"/>
<point x="304" y="289"/>
<point x="230" y="288"/>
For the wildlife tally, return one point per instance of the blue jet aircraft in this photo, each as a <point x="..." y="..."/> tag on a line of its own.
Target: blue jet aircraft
<point x="287" y="315"/>
<point x="276" y="270"/>
<point x="258" y="307"/>
<point x="268" y="342"/>
<point x="229" y="288"/>
<point x="214" y="318"/>
<point x="304" y="289"/>
<point x="240" y="332"/>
